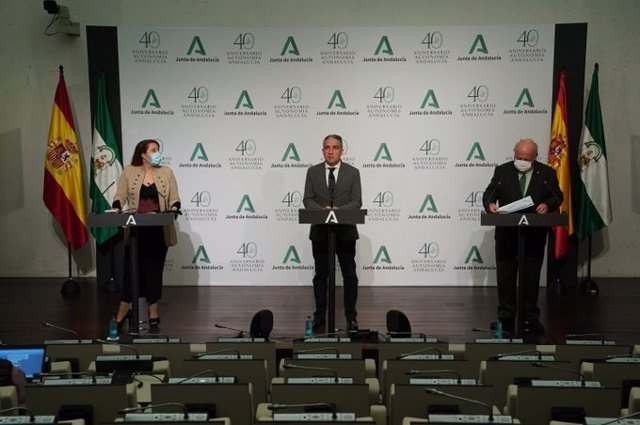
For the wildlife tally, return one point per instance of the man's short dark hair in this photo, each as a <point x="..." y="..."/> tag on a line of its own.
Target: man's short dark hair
<point x="333" y="136"/>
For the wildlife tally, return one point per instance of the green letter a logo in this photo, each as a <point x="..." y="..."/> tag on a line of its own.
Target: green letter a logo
<point x="291" y="153"/>
<point x="199" y="153"/>
<point x="474" y="256"/>
<point x="428" y="204"/>
<point x="151" y="99"/>
<point x="525" y="99"/>
<point x="244" y="101"/>
<point x="476" y="152"/>
<point x="337" y="101"/>
<point x="382" y="256"/>
<point x="196" y="46"/>
<point x="430" y="100"/>
<point x="201" y="255"/>
<point x="384" y="47"/>
<point x="479" y="45"/>
<point x="246" y="205"/>
<point x="290" y="47"/>
<point x="291" y="256"/>
<point x="383" y="153"/>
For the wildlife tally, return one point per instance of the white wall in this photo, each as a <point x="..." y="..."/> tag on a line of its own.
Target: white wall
<point x="31" y="242"/>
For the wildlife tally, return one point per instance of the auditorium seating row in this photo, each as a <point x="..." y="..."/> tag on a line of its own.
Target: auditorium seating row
<point x="242" y="382"/>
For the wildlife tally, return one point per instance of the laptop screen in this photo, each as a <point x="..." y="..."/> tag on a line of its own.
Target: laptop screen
<point x="29" y="359"/>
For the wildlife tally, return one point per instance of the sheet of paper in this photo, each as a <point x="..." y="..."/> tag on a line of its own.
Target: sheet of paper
<point x="519" y="205"/>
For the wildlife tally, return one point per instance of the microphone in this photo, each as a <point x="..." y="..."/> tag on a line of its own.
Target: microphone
<point x="322" y="405"/>
<point x="493" y="192"/>
<point x="414" y="372"/>
<point x="211" y="353"/>
<point x="517" y="353"/>
<point x="32" y="417"/>
<point x="316" y="350"/>
<point x="130" y="347"/>
<point x="63" y="374"/>
<point x="489" y="331"/>
<point x="240" y="332"/>
<point x="621" y="418"/>
<point x="424" y="350"/>
<point x="561" y="369"/>
<point x="51" y="325"/>
<point x="468" y="400"/>
<point x="312" y="368"/>
<point x="202" y="372"/>
<point x="334" y="334"/>
<point x="149" y="406"/>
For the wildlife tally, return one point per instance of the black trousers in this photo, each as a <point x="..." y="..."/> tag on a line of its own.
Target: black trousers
<point x="152" y="252"/>
<point x="346" y="253"/>
<point x="507" y="276"/>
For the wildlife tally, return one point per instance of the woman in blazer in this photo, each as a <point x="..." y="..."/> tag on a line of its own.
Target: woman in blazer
<point x="145" y="186"/>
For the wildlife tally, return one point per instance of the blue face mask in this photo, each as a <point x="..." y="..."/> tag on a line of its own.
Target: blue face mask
<point x="155" y="159"/>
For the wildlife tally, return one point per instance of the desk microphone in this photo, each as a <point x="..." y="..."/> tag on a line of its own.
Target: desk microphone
<point x="424" y="350"/>
<point x="468" y="400"/>
<point x="620" y="419"/>
<point x="561" y="369"/>
<point x="240" y="332"/>
<point x="153" y="406"/>
<point x="212" y="353"/>
<point x="489" y="331"/>
<point x="312" y="368"/>
<point x="419" y="373"/>
<point x="328" y="406"/>
<point x="321" y="349"/>
<point x="328" y="334"/>
<point x="202" y="372"/>
<point x="517" y="353"/>
<point x="130" y="347"/>
<point x="32" y="417"/>
<point x="51" y="325"/>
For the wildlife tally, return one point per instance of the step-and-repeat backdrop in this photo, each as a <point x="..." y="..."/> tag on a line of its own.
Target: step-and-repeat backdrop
<point x="426" y="113"/>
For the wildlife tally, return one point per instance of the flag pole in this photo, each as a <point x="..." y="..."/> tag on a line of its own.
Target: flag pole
<point x="70" y="287"/>
<point x="589" y="286"/>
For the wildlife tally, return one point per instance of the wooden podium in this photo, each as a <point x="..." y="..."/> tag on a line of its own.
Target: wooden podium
<point x="522" y="220"/>
<point x="331" y="217"/>
<point x="131" y="221"/>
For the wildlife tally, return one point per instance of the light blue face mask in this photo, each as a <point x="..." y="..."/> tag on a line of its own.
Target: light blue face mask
<point x="155" y="159"/>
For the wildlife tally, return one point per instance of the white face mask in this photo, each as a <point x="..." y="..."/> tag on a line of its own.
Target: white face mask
<point x="522" y="165"/>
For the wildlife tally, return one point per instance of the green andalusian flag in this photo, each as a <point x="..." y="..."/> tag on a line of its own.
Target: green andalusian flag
<point x="594" y="212"/>
<point x="106" y="163"/>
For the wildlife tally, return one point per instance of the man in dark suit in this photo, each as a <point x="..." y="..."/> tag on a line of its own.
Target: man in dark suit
<point x="512" y="181"/>
<point x="333" y="184"/>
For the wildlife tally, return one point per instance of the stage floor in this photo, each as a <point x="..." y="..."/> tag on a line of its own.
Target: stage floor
<point x="189" y="312"/>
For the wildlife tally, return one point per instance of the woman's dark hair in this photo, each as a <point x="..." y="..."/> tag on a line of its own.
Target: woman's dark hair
<point x="141" y="148"/>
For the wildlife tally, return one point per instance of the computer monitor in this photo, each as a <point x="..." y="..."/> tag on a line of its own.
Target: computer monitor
<point x="30" y="359"/>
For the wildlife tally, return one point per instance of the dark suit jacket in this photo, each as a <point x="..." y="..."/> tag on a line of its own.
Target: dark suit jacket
<point x="347" y="195"/>
<point x="504" y="188"/>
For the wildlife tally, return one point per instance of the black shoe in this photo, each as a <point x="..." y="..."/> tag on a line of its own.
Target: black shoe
<point x="126" y="318"/>
<point x="319" y="326"/>
<point x="533" y="327"/>
<point x="154" y="321"/>
<point x="352" y="325"/>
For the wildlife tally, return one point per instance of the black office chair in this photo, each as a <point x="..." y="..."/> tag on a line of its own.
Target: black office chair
<point x="261" y="324"/>
<point x="398" y="324"/>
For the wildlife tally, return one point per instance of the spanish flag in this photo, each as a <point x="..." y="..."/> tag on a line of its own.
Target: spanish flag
<point x="62" y="190"/>
<point x="559" y="161"/>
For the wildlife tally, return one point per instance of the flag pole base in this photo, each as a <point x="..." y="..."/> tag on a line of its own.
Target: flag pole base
<point x="111" y="286"/>
<point x="589" y="287"/>
<point x="70" y="288"/>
